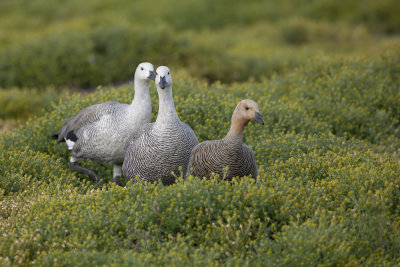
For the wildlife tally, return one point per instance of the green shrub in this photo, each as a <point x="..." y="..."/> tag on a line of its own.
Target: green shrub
<point x="79" y="59"/>
<point x="328" y="186"/>
<point x="322" y="197"/>
<point x="22" y="103"/>
<point x="86" y="44"/>
<point x="357" y="98"/>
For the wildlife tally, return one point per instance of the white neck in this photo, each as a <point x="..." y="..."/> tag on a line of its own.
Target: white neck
<point x="141" y="92"/>
<point x="166" y="108"/>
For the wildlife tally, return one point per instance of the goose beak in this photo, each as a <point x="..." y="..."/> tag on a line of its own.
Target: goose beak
<point x="151" y="76"/>
<point x="258" y="118"/>
<point x="163" y="82"/>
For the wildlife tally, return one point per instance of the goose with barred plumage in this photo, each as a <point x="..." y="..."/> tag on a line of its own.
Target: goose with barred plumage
<point x="213" y="156"/>
<point x="159" y="148"/>
<point x="101" y="132"/>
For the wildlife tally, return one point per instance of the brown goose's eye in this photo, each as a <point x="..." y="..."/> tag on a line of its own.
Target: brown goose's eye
<point x="247" y="108"/>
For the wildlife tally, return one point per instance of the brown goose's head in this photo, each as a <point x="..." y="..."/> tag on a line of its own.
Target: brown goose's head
<point x="246" y="111"/>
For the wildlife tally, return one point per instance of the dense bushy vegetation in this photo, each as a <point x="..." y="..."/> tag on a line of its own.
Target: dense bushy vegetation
<point x="325" y="73"/>
<point x="328" y="188"/>
<point x="96" y="42"/>
<point x="22" y="103"/>
<point x="79" y="44"/>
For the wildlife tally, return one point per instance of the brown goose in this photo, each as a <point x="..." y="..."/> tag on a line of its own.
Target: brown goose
<point x="213" y="156"/>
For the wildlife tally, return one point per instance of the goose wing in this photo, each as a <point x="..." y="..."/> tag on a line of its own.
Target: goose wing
<point x="250" y="160"/>
<point x="85" y="117"/>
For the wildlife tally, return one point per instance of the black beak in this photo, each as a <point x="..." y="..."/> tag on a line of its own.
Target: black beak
<point x="151" y="76"/>
<point x="163" y="82"/>
<point x="258" y="118"/>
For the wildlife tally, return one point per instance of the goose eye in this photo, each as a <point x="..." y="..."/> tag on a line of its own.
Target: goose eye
<point x="168" y="72"/>
<point x="142" y="68"/>
<point x="247" y="108"/>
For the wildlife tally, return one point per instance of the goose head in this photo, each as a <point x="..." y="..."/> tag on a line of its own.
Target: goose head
<point x="145" y="71"/>
<point x="246" y="111"/>
<point x="163" y="78"/>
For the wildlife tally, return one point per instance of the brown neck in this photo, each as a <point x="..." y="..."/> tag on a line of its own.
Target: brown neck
<point x="236" y="130"/>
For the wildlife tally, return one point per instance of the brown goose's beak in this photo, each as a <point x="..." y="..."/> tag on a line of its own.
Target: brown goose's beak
<point x="258" y="118"/>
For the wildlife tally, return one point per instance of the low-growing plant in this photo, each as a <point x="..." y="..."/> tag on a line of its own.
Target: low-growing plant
<point x="326" y="194"/>
<point x="21" y="103"/>
<point x="87" y="44"/>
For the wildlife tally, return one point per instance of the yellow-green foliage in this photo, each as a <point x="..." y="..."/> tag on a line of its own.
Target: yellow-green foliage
<point x="89" y="43"/>
<point x="327" y="194"/>
<point x="22" y="103"/>
<point x="82" y="45"/>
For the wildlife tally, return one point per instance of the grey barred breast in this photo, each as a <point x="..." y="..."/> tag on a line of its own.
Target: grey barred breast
<point x="156" y="152"/>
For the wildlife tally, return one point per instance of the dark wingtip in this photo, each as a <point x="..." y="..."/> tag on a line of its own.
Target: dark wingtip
<point x="72" y="136"/>
<point x="55" y="136"/>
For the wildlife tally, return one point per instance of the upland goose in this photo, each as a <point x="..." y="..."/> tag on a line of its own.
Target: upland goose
<point x="213" y="156"/>
<point x="101" y="132"/>
<point x="159" y="148"/>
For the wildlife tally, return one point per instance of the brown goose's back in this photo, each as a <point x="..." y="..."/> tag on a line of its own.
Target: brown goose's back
<point x="212" y="156"/>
